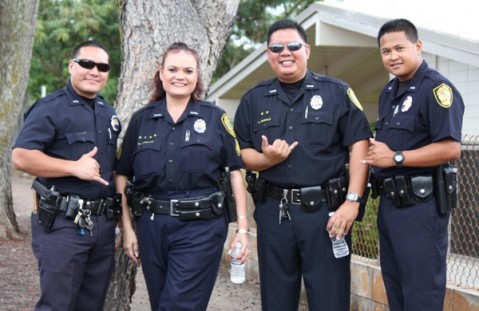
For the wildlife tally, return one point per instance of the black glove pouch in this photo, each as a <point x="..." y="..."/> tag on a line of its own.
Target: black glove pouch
<point x="422" y="187"/>
<point x="311" y="198"/>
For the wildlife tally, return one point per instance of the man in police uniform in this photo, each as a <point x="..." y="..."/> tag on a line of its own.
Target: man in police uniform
<point x="69" y="141"/>
<point x="419" y="128"/>
<point x="299" y="130"/>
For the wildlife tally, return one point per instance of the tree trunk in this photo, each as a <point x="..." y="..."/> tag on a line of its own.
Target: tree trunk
<point x="148" y="27"/>
<point x="17" y="31"/>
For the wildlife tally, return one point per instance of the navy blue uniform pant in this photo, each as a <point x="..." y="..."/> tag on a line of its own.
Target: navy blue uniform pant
<point x="75" y="270"/>
<point x="413" y="249"/>
<point x="180" y="260"/>
<point x="299" y="248"/>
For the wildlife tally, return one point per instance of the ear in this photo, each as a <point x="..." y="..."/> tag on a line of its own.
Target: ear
<point x="307" y="50"/>
<point x="70" y="66"/>
<point x="419" y="46"/>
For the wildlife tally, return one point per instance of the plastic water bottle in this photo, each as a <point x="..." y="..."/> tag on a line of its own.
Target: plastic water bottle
<point x="237" y="275"/>
<point x="340" y="247"/>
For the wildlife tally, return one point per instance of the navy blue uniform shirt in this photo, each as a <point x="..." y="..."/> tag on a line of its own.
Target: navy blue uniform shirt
<point x="429" y="109"/>
<point x="64" y="126"/>
<point x="166" y="157"/>
<point x="324" y="118"/>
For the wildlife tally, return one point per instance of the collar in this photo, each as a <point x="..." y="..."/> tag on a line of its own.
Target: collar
<point x="75" y="99"/>
<point x="159" y="110"/>
<point x="414" y="83"/>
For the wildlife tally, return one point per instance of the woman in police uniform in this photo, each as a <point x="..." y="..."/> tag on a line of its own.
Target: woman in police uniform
<point x="174" y="149"/>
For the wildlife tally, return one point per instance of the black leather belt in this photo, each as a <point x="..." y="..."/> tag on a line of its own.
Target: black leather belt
<point x="173" y="207"/>
<point x="292" y="195"/>
<point x="97" y="207"/>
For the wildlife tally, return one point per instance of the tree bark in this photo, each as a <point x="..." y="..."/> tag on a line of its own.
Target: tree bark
<point x="17" y="32"/>
<point x="147" y="29"/>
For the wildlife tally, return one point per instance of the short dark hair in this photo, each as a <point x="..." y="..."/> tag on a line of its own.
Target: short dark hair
<point x="398" y="25"/>
<point x="286" y="24"/>
<point x="76" y="50"/>
<point x="158" y="89"/>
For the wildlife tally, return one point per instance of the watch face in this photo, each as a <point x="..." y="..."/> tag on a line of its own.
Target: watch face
<point x="398" y="157"/>
<point x="352" y="197"/>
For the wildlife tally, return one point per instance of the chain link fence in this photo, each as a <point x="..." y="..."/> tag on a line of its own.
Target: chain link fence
<point x="463" y="253"/>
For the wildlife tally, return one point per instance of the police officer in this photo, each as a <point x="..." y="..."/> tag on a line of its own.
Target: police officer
<point x="299" y="130"/>
<point x="174" y="150"/>
<point x="419" y="128"/>
<point x="69" y="141"/>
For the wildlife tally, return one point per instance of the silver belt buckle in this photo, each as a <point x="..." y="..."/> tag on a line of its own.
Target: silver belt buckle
<point x="172" y="208"/>
<point x="295" y="196"/>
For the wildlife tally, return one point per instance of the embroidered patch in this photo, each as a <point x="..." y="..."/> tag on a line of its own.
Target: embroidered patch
<point x="229" y="128"/>
<point x="443" y="95"/>
<point x="354" y="99"/>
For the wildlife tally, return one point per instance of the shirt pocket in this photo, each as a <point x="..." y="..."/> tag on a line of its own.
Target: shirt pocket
<point x="402" y="123"/>
<point x="199" y="153"/>
<point x="266" y="125"/>
<point x="80" y="143"/>
<point x="147" y="158"/>
<point x="319" y="128"/>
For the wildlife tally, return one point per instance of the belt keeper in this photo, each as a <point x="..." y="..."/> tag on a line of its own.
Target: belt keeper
<point x="242" y="231"/>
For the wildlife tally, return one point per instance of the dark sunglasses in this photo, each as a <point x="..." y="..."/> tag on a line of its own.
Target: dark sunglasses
<point x="89" y="64"/>
<point x="292" y="47"/>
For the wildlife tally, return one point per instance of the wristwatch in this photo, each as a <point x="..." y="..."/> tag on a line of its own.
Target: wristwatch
<point x="353" y="197"/>
<point x="398" y="158"/>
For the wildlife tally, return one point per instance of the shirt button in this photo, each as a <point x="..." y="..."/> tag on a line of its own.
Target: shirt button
<point x="172" y="143"/>
<point x="290" y="127"/>
<point x="291" y="109"/>
<point x="387" y="123"/>
<point x="398" y="123"/>
<point x="173" y="128"/>
<point x="290" y="165"/>
<point x="170" y="161"/>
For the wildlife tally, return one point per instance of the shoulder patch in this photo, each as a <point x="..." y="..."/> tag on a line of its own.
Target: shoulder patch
<point x="443" y="95"/>
<point x="354" y="99"/>
<point x="229" y="128"/>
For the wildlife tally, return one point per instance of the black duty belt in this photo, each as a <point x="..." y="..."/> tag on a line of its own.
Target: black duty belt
<point x="97" y="207"/>
<point x="292" y="195"/>
<point x="174" y="207"/>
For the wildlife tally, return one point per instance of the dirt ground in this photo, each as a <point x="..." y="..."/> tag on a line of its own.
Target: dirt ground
<point x="19" y="289"/>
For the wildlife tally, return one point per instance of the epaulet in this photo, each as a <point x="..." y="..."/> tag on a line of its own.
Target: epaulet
<point x="53" y="95"/>
<point x="209" y="104"/>
<point x="264" y="82"/>
<point x="149" y="105"/>
<point x="323" y="78"/>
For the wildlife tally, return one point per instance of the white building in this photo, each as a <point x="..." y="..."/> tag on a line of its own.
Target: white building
<point x="343" y="45"/>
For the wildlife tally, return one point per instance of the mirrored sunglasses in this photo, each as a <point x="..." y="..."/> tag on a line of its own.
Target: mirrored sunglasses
<point x="292" y="47"/>
<point x="89" y="64"/>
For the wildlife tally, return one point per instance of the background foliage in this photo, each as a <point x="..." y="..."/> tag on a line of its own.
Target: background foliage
<point x="62" y="24"/>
